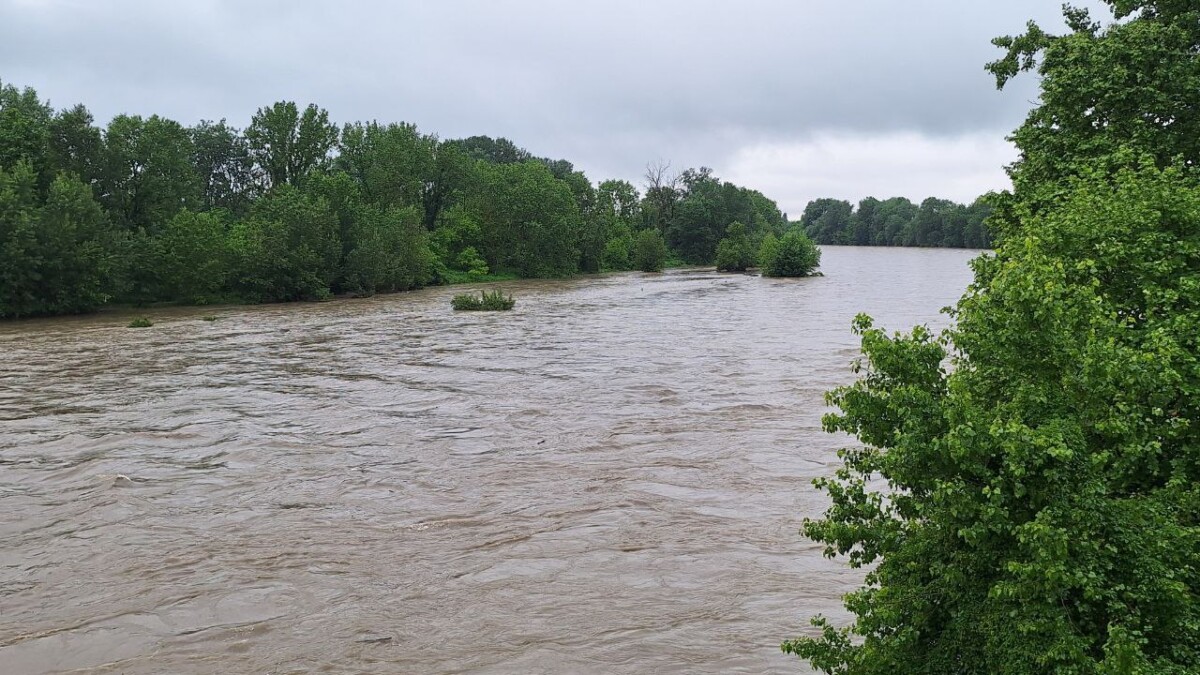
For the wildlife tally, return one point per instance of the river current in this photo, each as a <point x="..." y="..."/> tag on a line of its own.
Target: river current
<point x="608" y="479"/>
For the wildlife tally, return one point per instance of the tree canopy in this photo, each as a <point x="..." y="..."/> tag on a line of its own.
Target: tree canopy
<point x="295" y="207"/>
<point x="899" y="222"/>
<point x="1027" y="495"/>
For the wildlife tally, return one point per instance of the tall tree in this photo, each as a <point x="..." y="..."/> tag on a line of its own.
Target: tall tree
<point x="287" y="144"/>
<point x="148" y="175"/>
<point x="24" y="128"/>
<point x="621" y="200"/>
<point x="56" y="254"/>
<point x="1133" y="84"/>
<point x="493" y="150"/>
<point x="1042" y="502"/>
<point x="529" y="220"/>
<point x="827" y="220"/>
<point x="221" y="158"/>
<point x="452" y="173"/>
<point x="392" y="162"/>
<point x="662" y="194"/>
<point x="76" y="146"/>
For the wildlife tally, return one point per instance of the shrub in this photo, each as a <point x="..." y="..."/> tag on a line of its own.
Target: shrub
<point x="141" y="322"/>
<point x="792" y="256"/>
<point x="487" y="302"/>
<point x="767" y="250"/>
<point x="472" y="263"/>
<point x="649" y="251"/>
<point x="735" y="253"/>
<point x="616" y="254"/>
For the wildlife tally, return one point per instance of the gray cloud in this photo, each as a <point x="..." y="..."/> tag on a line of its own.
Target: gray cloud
<point x="608" y="85"/>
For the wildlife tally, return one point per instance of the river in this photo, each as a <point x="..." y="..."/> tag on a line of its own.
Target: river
<point x="608" y="479"/>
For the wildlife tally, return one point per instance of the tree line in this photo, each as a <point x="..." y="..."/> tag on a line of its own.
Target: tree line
<point x="296" y="207"/>
<point x="898" y="222"/>
<point x="1026" y="495"/>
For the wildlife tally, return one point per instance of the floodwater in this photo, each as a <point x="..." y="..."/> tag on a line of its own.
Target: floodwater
<point x="608" y="479"/>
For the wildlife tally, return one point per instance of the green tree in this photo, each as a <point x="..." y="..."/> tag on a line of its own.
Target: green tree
<point x="794" y="255"/>
<point x="620" y="199"/>
<point x="735" y="253"/>
<point x="458" y="232"/>
<point x="529" y="221"/>
<point x="616" y="256"/>
<point x="286" y="144"/>
<point x="195" y="258"/>
<point x="221" y="160"/>
<point x="472" y="263"/>
<point x="56" y="255"/>
<point x="1134" y="84"/>
<point x="706" y="207"/>
<point x="649" y="251"/>
<point x="827" y="221"/>
<point x="1042" y="508"/>
<point x="391" y="251"/>
<point x="932" y="223"/>
<point x="594" y="225"/>
<point x="76" y="146"/>
<point x="975" y="231"/>
<point x="288" y="249"/>
<point x="391" y="162"/>
<point x="452" y="173"/>
<point x="493" y="150"/>
<point x="894" y="217"/>
<point x="343" y="197"/>
<point x="768" y="251"/>
<point x="148" y="175"/>
<point x="24" y="128"/>
<point x="618" y="210"/>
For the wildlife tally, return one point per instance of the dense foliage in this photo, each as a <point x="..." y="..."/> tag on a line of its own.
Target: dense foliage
<point x="793" y="255"/>
<point x="735" y="253"/>
<point x="1042" y="504"/>
<point x="146" y="210"/>
<point x="649" y="251"/>
<point x="898" y="222"/>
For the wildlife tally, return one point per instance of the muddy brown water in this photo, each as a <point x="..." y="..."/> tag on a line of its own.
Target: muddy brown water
<point x="609" y="479"/>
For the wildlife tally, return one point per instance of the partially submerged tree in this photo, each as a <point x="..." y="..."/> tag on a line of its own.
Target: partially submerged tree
<point x="793" y="255"/>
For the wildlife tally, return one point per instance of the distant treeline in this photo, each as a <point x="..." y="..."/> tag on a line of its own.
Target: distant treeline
<point x="294" y="207"/>
<point x="898" y="222"/>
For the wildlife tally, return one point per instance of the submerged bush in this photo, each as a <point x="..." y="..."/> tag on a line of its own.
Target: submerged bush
<point x="493" y="301"/>
<point x="792" y="256"/>
<point x="141" y="322"/>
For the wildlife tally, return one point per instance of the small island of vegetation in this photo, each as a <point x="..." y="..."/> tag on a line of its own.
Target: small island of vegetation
<point x="492" y="301"/>
<point x="793" y="255"/>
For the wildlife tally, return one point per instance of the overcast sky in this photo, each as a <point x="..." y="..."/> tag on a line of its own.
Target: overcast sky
<point x="797" y="98"/>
